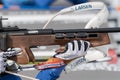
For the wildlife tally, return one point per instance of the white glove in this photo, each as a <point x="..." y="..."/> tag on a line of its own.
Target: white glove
<point x="4" y="55"/>
<point x="74" y="50"/>
<point x="12" y="52"/>
<point x="2" y="63"/>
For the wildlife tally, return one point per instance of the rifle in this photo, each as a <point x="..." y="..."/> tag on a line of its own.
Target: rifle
<point x="11" y="37"/>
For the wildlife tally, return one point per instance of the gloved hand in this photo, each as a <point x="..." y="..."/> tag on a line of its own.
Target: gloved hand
<point x="2" y="63"/>
<point x="12" y="52"/>
<point x="74" y="49"/>
<point x="4" y="55"/>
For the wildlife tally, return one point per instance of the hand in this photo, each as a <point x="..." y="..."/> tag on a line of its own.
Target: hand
<point x="74" y="50"/>
<point x="2" y="63"/>
<point x="3" y="57"/>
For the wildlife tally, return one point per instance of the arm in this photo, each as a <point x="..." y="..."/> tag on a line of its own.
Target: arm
<point x="51" y="71"/>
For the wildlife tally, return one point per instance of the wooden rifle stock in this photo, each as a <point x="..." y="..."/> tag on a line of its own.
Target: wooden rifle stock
<point x="26" y="41"/>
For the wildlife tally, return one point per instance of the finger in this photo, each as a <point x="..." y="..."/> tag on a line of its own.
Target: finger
<point x="86" y="45"/>
<point x="18" y="50"/>
<point x="76" y="45"/>
<point x="69" y="46"/>
<point x="81" y="46"/>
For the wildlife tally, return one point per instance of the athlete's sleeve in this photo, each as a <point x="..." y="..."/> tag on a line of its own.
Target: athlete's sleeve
<point x="6" y="76"/>
<point x="50" y="74"/>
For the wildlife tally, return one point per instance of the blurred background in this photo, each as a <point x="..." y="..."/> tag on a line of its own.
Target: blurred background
<point x="33" y="14"/>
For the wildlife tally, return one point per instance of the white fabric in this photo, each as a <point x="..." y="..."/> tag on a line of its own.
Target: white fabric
<point x="2" y="63"/>
<point x="72" y="54"/>
<point x="14" y="51"/>
<point x="4" y="55"/>
<point x="94" y="54"/>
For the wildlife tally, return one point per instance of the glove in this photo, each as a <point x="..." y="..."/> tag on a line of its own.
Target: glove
<point x="12" y="52"/>
<point x="2" y="63"/>
<point x="74" y="50"/>
<point x="4" y="55"/>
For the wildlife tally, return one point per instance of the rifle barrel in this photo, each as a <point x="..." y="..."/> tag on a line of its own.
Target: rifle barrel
<point x="96" y="30"/>
<point x="51" y="31"/>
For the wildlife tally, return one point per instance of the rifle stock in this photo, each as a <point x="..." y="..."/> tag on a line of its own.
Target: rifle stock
<point x="26" y="41"/>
